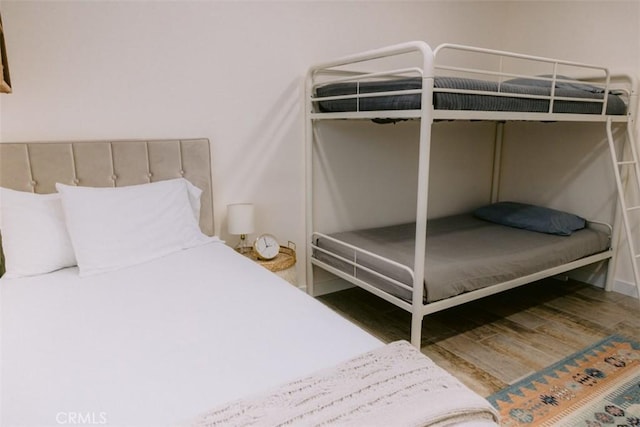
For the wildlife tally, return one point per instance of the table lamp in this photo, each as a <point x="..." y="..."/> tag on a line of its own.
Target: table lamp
<point x="240" y="220"/>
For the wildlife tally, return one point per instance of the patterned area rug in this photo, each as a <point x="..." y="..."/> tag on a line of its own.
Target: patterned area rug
<point x="598" y="386"/>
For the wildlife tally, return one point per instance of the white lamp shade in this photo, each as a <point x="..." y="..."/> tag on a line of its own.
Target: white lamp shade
<point x="240" y="218"/>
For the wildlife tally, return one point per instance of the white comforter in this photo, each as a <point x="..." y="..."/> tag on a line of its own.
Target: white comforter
<point x="159" y="343"/>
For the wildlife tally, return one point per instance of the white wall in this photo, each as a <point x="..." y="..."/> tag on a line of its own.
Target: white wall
<point x="598" y="32"/>
<point x="231" y="71"/>
<point x="366" y="174"/>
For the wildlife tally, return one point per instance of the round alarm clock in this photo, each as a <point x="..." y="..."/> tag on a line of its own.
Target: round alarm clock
<point x="266" y="246"/>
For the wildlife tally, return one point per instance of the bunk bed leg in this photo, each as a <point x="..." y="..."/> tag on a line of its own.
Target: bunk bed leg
<point x="416" y="329"/>
<point x="497" y="162"/>
<point x="615" y="243"/>
<point x="309" y="226"/>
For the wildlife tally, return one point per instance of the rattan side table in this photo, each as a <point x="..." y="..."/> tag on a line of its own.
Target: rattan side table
<point x="284" y="264"/>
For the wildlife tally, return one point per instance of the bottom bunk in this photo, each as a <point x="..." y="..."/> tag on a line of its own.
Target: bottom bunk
<point x="467" y="257"/>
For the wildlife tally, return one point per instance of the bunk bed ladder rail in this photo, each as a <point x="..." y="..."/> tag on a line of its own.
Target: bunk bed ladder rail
<point x="621" y="166"/>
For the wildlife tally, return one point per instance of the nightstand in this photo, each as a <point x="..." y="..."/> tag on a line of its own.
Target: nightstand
<point x="284" y="264"/>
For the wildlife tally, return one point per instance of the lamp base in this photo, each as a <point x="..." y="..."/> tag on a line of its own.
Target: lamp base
<point x="242" y="247"/>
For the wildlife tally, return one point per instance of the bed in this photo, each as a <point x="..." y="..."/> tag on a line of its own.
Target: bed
<point x="198" y="335"/>
<point x="464" y="253"/>
<point x="430" y="265"/>
<point x="493" y="85"/>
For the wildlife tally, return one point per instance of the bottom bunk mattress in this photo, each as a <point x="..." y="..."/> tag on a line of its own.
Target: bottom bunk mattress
<point x="463" y="253"/>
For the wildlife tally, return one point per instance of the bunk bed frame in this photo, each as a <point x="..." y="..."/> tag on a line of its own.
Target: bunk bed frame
<point x="348" y="70"/>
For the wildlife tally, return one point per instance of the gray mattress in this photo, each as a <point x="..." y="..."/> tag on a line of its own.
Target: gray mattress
<point x="454" y="101"/>
<point x="463" y="254"/>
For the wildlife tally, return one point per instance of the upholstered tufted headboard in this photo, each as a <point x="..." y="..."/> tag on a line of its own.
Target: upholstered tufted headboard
<point x="37" y="166"/>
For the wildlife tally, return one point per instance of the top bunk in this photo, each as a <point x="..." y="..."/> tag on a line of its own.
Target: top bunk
<point x="465" y="83"/>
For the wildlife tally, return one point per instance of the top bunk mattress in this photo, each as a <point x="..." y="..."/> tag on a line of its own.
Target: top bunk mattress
<point x="466" y="101"/>
<point x="463" y="253"/>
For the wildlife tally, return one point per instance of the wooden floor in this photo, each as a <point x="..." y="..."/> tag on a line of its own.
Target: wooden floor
<point x="495" y="341"/>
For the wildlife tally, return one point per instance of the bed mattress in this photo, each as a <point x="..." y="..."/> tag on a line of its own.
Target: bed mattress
<point x="159" y="343"/>
<point x="456" y="101"/>
<point x="463" y="254"/>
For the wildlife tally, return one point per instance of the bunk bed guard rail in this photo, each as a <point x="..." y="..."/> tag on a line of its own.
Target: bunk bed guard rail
<point x="499" y="83"/>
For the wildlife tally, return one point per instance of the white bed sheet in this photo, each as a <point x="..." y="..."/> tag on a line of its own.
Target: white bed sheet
<point x="159" y="343"/>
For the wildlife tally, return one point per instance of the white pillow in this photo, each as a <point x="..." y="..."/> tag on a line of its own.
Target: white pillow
<point x="194" y="198"/>
<point x="34" y="235"/>
<point x="112" y="228"/>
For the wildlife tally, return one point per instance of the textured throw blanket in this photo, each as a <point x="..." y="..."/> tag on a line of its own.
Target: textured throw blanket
<point x="395" y="385"/>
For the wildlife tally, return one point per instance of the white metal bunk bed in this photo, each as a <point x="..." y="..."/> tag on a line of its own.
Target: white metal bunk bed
<point x="371" y="85"/>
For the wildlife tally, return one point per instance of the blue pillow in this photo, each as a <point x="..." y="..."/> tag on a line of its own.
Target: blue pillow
<point x="530" y="217"/>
